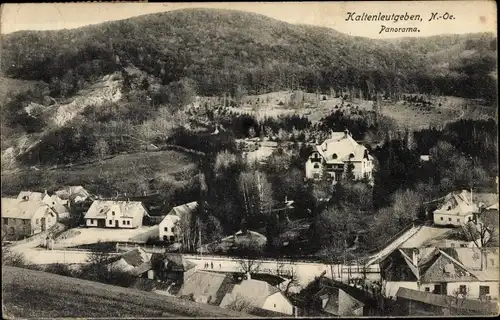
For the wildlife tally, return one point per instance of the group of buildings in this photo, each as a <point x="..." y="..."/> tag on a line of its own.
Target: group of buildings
<point x="439" y="268"/>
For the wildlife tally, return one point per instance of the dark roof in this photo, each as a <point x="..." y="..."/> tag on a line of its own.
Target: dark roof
<point x="135" y="257"/>
<point x="267" y="313"/>
<point x="447" y="301"/>
<point x="174" y="261"/>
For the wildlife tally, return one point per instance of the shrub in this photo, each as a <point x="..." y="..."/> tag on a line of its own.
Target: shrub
<point x="14" y="259"/>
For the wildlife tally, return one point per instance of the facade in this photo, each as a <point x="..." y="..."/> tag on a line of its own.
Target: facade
<point x="259" y="294"/>
<point x="335" y="155"/>
<point x="170" y="226"/>
<point x="115" y="214"/>
<point x="417" y="303"/>
<point x="456" y="210"/>
<point x="171" y="267"/>
<point x="450" y="271"/>
<point x="24" y="218"/>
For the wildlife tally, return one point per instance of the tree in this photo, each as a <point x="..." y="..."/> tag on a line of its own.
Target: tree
<point x="101" y="148"/>
<point x="240" y="304"/>
<point x="257" y="197"/>
<point x="485" y="231"/>
<point x="13" y="258"/>
<point x="349" y="174"/>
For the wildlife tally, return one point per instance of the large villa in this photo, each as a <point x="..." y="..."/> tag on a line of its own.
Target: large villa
<point x="334" y="155"/>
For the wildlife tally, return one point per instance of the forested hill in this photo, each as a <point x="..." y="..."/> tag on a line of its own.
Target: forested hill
<point x="224" y="51"/>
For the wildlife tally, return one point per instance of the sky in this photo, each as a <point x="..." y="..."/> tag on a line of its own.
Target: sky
<point x="469" y="16"/>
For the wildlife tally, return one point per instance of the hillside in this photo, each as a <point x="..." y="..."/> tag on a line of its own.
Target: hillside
<point x="28" y="294"/>
<point x="224" y="51"/>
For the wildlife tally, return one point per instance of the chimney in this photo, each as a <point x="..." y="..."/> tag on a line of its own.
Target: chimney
<point x="45" y="191"/>
<point x="346" y="133"/>
<point x="414" y="257"/>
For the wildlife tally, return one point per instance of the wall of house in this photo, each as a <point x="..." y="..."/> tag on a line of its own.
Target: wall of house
<point x="137" y="220"/>
<point x="122" y="222"/>
<point x="362" y="167"/>
<point x="391" y="287"/>
<point x="447" y="219"/>
<point x="91" y="222"/>
<point x="311" y="170"/>
<point x="36" y="221"/>
<point x="18" y="227"/>
<point x="472" y="287"/>
<point x="168" y="223"/>
<point x="279" y="303"/>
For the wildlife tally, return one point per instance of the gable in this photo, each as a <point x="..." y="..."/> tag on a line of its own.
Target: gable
<point x="446" y="270"/>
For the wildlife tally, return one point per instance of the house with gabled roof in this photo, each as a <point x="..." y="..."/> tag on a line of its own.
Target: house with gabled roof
<point x="457" y="209"/>
<point x="170" y="226"/>
<point x="24" y="218"/>
<point x="417" y="303"/>
<point x="446" y="271"/>
<point x="115" y="214"/>
<point x="73" y="194"/>
<point x="335" y="154"/>
<point x="258" y="294"/>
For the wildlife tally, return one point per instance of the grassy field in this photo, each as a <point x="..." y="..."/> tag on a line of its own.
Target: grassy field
<point x="123" y="172"/>
<point x="28" y="293"/>
<point x="83" y="236"/>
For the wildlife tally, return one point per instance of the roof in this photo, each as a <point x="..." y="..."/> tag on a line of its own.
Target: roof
<point x="457" y="203"/>
<point x="240" y="237"/>
<point x="71" y="192"/>
<point x="183" y="210"/>
<point x="446" y="301"/>
<point x="13" y="208"/>
<point x="35" y="196"/>
<point x="207" y="285"/>
<point x="176" y="261"/>
<point x="135" y="257"/>
<point x="253" y="291"/>
<point x="493" y="207"/>
<point x="424" y="235"/>
<point x="127" y="209"/>
<point x="339" y="147"/>
<point x="333" y="306"/>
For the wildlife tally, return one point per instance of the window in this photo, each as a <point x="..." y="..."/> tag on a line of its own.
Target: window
<point x="442" y="219"/>
<point x="437" y="288"/>
<point x="316" y="166"/>
<point x="5" y="221"/>
<point x="110" y="221"/>
<point x="458" y="220"/>
<point x="165" y="229"/>
<point x="113" y="213"/>
<point x="462" y="289"/>
<point x="463" y="246"/>
<point x="449" y="219"/>
<point x="172" y="229"/>
<point x="124" y="222"/>
<point x="275" y="305"/>
<point x="334" y="156"/>
<point x="172" y="238"/>
<point x="427" y="289"/>
<point x="128" y="222"/>
<point x="484" y="290"/>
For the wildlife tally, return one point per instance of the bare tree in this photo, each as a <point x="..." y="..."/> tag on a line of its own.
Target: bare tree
<point x="291" y="276"/>
<point x="457" y="301"/>
<point x="240" y="304"/>
<point x="484" y="232"/>
<point x="249" y="265"/>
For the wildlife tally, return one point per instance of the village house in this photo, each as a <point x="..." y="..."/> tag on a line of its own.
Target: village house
<point x="115" y="214"/>
<point x="206" y="287"/>
<point x="74" y="194"/>
<point x="171" y="267"/>
<point x="258" y="294"/>
<point x="447" y="271"/>
<point x="335" y="155"/>
<point x="24" y="218"/>
<point x="170" y="227"/>
<point x="456" y="209"/>
<point x="136" y="262"/>
<point x="417" y="303"/>
<point x="53" y="201"/>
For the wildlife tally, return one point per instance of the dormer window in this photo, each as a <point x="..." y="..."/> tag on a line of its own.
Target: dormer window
<point x="113" y="213"/>
<point x="25" y="198"/>
<point x="334" y="156"/>
<point x="351" y="155"/>
<point x="316" y="166"/>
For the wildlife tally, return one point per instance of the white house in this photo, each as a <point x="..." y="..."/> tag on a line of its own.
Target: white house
<point x="471" y="271"/>
<point x="456" y="210"/>
<point x="73" y="193"/>
<point x="170" y="226"/>
<point x="115" y="214"/>
<point x="259" y="294"/>
<point x="334" y="156"/>
<point x="21" y="218"/>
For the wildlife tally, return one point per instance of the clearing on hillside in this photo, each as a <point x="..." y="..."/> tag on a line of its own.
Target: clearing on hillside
<point x="35" y="294"/>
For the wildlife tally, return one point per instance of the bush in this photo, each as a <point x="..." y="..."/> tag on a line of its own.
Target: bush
<point x="60" y="269"/>
<point x="14" y="259"/>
